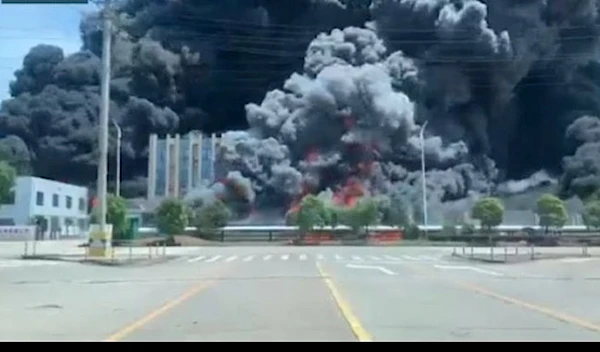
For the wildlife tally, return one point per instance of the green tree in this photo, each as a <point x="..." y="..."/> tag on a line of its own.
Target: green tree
<point x="311" y="213"/>
<point x="551" y="211"/>
<point x="116" y="215"/>
<point x="591" y="215"/>
<point x="364" y="214"/>
<point x="333" y="216"/>
<point x="489" y="211"/>
<point x="209" y="218"/>
<point x="7" y="182"/>
<point x="171" y="218"/>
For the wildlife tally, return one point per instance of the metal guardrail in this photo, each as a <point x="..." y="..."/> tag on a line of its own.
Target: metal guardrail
<point x="430" y="229"/>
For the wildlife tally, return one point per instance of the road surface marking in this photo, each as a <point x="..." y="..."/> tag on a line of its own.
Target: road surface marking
<point x="230" y="259"/>
<point x="267" y="257"/>
<point x="426" y="257"/>
<point x="320" y="257"/>
<point x="357" y="258"/>
<point x="165" y="308"/>
<point x="285" y="257"/>
<point x="391" y="257"/>
<point x="410" y="258"/>
<point x="566" y="318"/>
<point x="303" y="257"/>
<point x="197" y="259"/>
<point x="213" y="259"/>
<point x="338" y="257"/>
<point x="374" y="257"/>
<point x="248" y="258"/>
<point x="380" y="268"/>
<point x="479" y="270"/>
<point x="15" y="263"/>
<point x="552" y="313"/>
<point x="355" y="325"/>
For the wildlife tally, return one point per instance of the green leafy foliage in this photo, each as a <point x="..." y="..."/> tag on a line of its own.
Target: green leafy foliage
<point x="172" y="217"/>
<point x="209" y="218"/>
<point x="7" y="181"/>
<point x="116" y="214"/>
<point x="489" y="211"/>
<point x="312" y="213"/>
<point x="591" y="216"/>
<point x="551" y="211"/>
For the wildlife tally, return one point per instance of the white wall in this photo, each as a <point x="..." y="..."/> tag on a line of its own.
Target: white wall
<point x="26" y="206"/>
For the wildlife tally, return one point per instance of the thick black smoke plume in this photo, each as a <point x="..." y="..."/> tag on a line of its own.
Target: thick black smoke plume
<point x="498" y="81"/>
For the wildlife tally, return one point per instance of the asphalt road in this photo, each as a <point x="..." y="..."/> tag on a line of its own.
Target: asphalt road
<point x="302" y="294"/>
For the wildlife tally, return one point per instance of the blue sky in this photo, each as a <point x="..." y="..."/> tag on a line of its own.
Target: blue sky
<point x="24" y="26"/>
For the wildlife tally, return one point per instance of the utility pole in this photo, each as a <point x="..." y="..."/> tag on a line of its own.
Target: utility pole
<point x="103" y="123"/>
<point x="424" y="186"/>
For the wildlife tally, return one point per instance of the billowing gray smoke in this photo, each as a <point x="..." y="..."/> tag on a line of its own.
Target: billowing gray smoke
<point x="343" y="122"/>
<point x="499" y="82"/>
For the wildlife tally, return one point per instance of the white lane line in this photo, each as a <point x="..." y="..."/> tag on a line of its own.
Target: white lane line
<point x="267" y="257"/>
<point x="285" y="257"/>
<point x="410" y="258"/>
<point x="357" y="258"/>
<point x="479" y="270"/>
<point x="391" y="257"/>
<point x="248" y="258"/>
<point x="380" y="268"/>
<point x="374" y="257"/>
<point x="230" y="259"/>
<point x="213" y="259"/>
<point x="303" y="257"/>
<point x="320" y="256"/>
<point x="338" y="257"/>
<point x="197" y="259"/>
<point x="427" y="257"/>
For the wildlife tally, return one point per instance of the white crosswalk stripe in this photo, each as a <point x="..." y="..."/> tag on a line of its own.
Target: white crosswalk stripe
<point x="290" y="257"/>
<point x="213" y="259"/>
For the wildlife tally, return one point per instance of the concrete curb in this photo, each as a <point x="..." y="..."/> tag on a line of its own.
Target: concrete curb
<point x="525" y="258"/>
<point x="485" y="260"/>
<point x="102" y="262"/>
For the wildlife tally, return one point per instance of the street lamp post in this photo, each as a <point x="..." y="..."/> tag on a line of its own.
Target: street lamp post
<point x="118" y="161"/>
<point x="424" y="187"/>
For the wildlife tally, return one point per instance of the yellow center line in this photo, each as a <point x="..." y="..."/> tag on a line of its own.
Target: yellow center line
<point x="127" y="330"/>
<point x="547" y="311"/>
<point x="355" y="325"/>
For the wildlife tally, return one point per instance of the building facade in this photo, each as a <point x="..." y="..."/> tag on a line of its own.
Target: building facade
<point x="63" y="207"/>
<point x="177" y="164"/>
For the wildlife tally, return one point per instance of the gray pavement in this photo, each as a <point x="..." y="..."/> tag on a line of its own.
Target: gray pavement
<point x="284" y="294"/>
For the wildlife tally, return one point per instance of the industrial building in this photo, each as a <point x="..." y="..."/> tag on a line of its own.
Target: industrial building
<point x="179" y="163"/>
<point x="62" y="207"/>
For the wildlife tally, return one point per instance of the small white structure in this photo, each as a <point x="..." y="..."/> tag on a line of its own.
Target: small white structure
<point x="63" y="206"/>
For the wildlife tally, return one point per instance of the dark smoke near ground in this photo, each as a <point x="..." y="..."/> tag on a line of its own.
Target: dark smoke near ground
<point x="330" y="95"/>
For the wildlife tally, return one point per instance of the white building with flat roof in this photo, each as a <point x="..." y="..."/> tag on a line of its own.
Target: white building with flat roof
<point x="63" y="206"/>
<point x="179" y="163"/>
